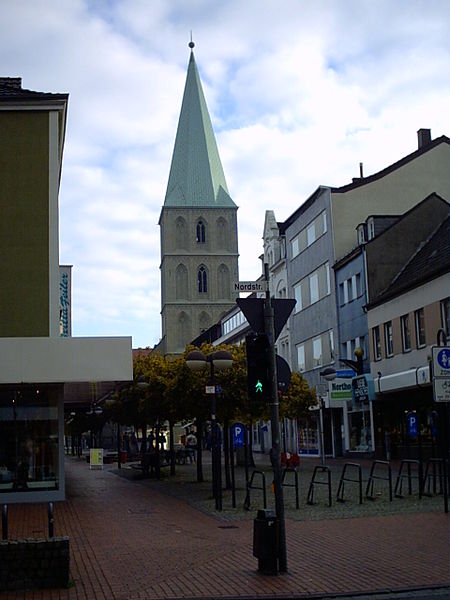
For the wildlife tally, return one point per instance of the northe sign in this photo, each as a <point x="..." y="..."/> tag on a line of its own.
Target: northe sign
<point x="250" y="286"/>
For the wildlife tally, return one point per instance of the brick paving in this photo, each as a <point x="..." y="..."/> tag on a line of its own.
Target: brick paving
<point x="131" y="541"/>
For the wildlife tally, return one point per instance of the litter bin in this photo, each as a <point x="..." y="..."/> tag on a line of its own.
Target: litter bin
<point x="266" y="541"/>
<point x="123" y="456"/>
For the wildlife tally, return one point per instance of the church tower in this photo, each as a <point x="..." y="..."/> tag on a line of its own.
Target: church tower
<point x="199" y="247"/>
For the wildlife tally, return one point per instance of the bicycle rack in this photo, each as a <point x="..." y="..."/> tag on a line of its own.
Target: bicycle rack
<point x="340" y="492"/>
<point x="435" y="475"/>
<point x="372" y="477"/>
<point x="409" y="476"/>
<point x="255" y="487"/>
<point x="295" y="484"/>
<point x="319" y="469"/>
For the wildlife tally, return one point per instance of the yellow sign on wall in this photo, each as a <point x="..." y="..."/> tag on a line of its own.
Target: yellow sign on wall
<point x="96" y="457"/>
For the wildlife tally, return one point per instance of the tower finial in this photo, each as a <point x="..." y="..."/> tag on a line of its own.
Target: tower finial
<point x="191" y="43"/>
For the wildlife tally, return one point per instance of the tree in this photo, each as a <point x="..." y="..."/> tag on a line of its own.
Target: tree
<point x="295" y="402"/>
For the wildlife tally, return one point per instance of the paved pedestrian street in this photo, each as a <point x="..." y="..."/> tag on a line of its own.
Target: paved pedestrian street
<point x="133" y="538"/>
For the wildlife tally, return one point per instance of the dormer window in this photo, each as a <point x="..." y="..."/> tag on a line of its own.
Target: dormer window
<point x="361" y="230"/>
<point x="201" y="235"/>
<point x="370" y="228"/>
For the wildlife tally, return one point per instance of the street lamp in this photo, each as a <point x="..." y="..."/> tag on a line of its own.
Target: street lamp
<point x="218" y="360"/>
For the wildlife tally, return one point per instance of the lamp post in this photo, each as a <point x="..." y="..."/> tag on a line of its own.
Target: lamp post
<point x="218" y="360"/>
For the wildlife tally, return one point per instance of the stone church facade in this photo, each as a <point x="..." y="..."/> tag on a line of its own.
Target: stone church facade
<point x="199" y="246"/>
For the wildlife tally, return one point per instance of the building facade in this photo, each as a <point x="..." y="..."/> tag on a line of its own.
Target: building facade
<point x="198" y="225"/>
<point x="36" y="361"/>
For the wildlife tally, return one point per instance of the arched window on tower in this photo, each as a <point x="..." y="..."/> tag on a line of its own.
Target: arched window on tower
<point x="181" y="283"/>
<point x="222" y="237"/>
<point x="202" y="278"/>
<point x="201" y="232"/>
<point x="180" y="233"/>
<point x="223" y="282"/>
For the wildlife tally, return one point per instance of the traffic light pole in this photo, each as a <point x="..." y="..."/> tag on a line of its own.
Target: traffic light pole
<point x="275" y="424"/>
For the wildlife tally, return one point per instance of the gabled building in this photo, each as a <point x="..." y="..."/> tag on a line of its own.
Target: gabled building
<point x="322" y="231"/>
<point x="408" y="273"/>
<point x="199" y="246"/>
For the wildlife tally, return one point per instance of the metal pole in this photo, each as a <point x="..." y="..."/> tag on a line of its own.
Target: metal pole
<point x="5" y="522"/>
<point x="119" y="457"/>
<point x="51" y="520"/>
<point x="214" y="443"/>
<point x="275" y="424"/>
<point x="322" y="434"/>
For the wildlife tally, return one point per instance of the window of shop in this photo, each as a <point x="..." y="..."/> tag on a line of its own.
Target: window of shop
<point x="388" y="341"/>
<point x="406" y="333"/>
<point x="419" y="318"/>
<point x="29" y="443"/>
<point x="360" y="431"/>
<point x="308" y="435"/>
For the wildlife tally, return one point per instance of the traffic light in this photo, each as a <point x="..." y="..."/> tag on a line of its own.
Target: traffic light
<point x="257" y="346"/>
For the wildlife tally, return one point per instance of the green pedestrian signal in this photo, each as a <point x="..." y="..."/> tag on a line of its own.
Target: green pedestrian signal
<point x="258" y="385"/>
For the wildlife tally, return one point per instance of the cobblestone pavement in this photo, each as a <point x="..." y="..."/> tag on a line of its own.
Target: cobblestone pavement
<point x="135" y="539"/>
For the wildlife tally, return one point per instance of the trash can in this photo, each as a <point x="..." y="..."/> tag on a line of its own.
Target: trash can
<point x="123" y="456"/>
<point x="266" y="541"/>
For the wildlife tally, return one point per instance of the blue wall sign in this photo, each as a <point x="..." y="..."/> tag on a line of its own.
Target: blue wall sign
<point x="412" y="424"/>
<point x="238" y="435"/>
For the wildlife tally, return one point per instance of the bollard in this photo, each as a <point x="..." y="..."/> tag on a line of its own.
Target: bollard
<point x="266" y="541"/>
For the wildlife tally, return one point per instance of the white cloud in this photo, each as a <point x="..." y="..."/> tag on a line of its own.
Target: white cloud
<point x="299" y="92"/>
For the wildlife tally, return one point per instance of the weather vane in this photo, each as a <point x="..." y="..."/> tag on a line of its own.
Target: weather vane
<point x="191" y="43"/>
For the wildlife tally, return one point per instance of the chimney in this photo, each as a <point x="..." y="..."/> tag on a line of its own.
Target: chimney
<point x="424" y="137"/>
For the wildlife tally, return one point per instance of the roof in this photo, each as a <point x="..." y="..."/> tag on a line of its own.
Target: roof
<point x="431" y="260"/>
<point x="11" y="90"/>
<point x="196" y="176"/>
<point x="359" y="182"/>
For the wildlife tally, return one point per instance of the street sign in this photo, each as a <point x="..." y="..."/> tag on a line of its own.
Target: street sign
<point x="345" y="373"/>
<point x="441" y="361"/>
<point x="210" y="389"/>
<point x="253" y="309"/>
<point x="339" y="392"/>
<point x="362" y="389"/>
<point x="411" y="421"/>
<point x="250" y="286"/>
<point x="238" y="435"/>
<point x="441" y="389"/>
<point x="440" y="356"/>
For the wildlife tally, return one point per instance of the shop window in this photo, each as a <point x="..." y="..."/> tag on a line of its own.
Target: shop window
<point x="29" y="443"/>
<point x="419" y="318"/>
<point x="406" y="333"/>
<point x="376" y="338"/>
<point x="388" y="340"/>
<point x="360" y="431"/>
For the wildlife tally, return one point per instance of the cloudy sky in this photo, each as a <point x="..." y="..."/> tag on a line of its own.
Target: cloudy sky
<point x="299" y="91"/>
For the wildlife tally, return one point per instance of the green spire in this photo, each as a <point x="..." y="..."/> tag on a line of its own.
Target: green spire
<point x="196" y="176"/>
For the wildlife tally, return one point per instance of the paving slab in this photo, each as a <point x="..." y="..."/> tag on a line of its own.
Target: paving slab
<point x="134" y="539"/>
